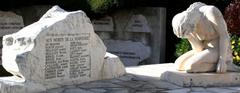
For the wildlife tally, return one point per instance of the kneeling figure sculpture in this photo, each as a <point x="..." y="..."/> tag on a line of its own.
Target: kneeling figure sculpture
<point x="204" y="27"/>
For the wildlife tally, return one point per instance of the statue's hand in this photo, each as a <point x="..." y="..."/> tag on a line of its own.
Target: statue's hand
<point x="221" y="67"/>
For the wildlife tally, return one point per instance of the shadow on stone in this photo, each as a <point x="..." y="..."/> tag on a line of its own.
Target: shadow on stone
<point x="3" y="72"/>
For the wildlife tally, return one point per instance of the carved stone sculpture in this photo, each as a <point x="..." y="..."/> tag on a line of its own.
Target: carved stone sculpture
<point x="204" y="27"/>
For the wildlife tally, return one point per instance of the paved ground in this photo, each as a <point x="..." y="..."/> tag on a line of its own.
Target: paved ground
<point x="135" y="84"/>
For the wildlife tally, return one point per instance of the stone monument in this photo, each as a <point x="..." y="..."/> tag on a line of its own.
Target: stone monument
<point x="9" y="23"/>
<point x="58" y="50"/>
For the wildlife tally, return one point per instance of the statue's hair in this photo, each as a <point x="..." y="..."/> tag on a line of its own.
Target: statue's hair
<point x="195" y="6"/>
<point x="193" y="14"/>
<point x="188" y="17"/>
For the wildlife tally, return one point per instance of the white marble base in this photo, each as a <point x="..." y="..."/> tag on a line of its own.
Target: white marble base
<point x="202" y="79"/>
<point x="168" y="73"/>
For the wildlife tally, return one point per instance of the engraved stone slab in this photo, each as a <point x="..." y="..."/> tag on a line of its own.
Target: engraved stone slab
<point x="131" y="53"/>
<point x="60" y="49"/>
<point x="138" y="23"/>
<point x="104" y="24"/>
<point x="9" y="23"/>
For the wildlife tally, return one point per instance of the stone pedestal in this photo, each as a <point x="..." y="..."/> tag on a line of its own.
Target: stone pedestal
<point x="168" y="73"/>
<point x="202" y="79"/>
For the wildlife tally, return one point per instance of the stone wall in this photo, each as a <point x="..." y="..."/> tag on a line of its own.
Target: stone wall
<point x="32" y="14"/>
<point x="143" y="27"/>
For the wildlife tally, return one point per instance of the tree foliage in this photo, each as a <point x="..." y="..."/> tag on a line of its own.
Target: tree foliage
<point x="235" y="43"/>
<point x="182" y="47"/>
<point x="100" y="6"/>
<point x="232" y="17"/>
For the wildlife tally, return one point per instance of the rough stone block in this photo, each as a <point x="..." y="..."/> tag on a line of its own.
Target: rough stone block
<point x="59" y="50"/>
<point x="112" y="66"/>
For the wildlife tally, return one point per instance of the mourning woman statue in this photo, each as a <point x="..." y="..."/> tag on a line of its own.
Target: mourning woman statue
<point x="204" y="27"/>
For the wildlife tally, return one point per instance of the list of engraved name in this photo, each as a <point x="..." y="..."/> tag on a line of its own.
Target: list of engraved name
<point x="67" y="55"/>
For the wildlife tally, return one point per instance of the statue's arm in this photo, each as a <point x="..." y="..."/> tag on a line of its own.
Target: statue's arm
<point x="218" y="23"/>
<point x="196" y="44"/>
